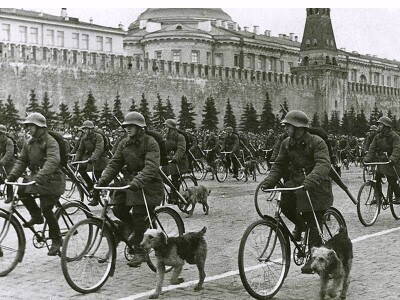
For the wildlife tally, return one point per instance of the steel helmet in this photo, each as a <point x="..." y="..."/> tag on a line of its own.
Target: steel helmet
<point x="3" y="128"/>
<point x="88" y="124"/>
<point x="37" y="119"/>
<point x="170" y="123"/>
<point x="134" y="118"/>
<point x="385" y="121"/>
<point x="297" y="118"/>
<point x="373" y="128"/>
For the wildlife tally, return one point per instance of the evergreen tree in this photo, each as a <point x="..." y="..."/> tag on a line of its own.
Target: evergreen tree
<point x="90" y="111"/>
<point x="267" y="118"/>
<point x="389" y="114"/>
<point x="352" y="117"/>
<point x="133" y="105"/>
<point x="361" y="124"/>
<point x="64" y="116"/>
<point x="169" y="111"/>
<point x="159" y="113"/>
<point x="315" y="120"/>
<point x="229" y="118"/>
<point x="2" y="109"/>
<point x="334" y="124"/>
<point x="252" y="121"/>
<point x="210" y="118"/>
<point x="186" y="115"/>
<point x="345" y="126"/>
<point x="46" y="110"/>
<point x="244" y="118"/>
<point x="106" y="118"/>
<point x="145" y="111"/>
<point x="325" y="122"/>
<point x="374" y="116"/>
<point x="33" y="104"/>
<point x="76" y="120"/>
<point x="11" y="115"/>
<point x="117" y="112"/>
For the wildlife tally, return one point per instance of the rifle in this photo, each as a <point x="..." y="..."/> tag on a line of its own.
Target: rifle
<point x="119" y="123"/>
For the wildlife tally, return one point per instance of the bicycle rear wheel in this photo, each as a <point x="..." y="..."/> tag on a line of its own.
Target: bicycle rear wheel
<point x="198" y="170"/>
<point x="265" y="203"/>
<point x="332" y="222"/>
<point x="12" y="243"/>
<point x="394" y="203"/>
<point x="170" y="222"/>
<point x="264" y="259"/>
<point x="368" y="206"/>
<point x="187" y="182"/>
<point x="88" y="256"/>
<point x="70" y="214"/>
<point x="221" y="170"/>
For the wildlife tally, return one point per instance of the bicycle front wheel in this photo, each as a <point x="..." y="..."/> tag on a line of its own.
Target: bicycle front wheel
<point x="73" y="192"/>
<point x="12" y="243"/>
<point x="332" y="222"/>
<point x="88" y="256"/>
<point x="69" y="214"/>
<point x="198" y="170"/>
<point x="221" y="170"/>
<point x="368" y="206"/>
<point x="187" y="182"/>
<point x="264" y="259"/>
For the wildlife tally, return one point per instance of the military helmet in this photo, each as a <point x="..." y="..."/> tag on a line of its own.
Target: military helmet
<point x="385" y="121"/>
<point x="3" y="129"/>
<point x="229" y="128"/>
<point x="170" y="123"/>
<point x="373" y="128"/>
<point x="297" y="118"/>
<point x="134" y="118"/>
<point x="37" y="119"/>
<point x="88" y="124"/>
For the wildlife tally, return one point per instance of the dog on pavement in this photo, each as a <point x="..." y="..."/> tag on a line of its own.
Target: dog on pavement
<point x="174" y="251"/>
<point x="196" y="194"/>
<point x="333" y="263"/>
<point x="250" y="167"/>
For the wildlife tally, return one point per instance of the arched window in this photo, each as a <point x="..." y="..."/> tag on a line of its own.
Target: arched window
<point x="305" y="61"/>
<point x="332" y="43"/>
<point x="314" y="42"/>
<point x="308" y="43"/>
<point x="363" y="79"/>
<point x="179" y="27"/>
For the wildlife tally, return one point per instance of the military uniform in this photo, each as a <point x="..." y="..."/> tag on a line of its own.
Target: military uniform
<point x="212" y="144"/>
<point x="91" y="147"/>
<point x="7" y="160"/>
<point x="231" y="144"/>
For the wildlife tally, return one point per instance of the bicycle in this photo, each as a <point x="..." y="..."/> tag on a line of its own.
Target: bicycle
<point x="368" y="205"/>
<point x="197" y="170"/>
<point x="223" y="167"/>
<point x="90" y="246"/>
<point x="265" y="245"/>
<point x="12" y="235"/>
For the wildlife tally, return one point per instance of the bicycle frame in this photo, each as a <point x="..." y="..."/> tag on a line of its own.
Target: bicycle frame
<point x="168" y="182"/>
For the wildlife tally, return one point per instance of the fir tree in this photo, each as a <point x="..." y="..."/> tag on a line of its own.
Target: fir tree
<point x="33" y="104"/>
<point x="229" y="118"/>
<point x="352" y="117"/>
<point x="374" y="116"/>
<point x="345" y="126"/>
<point x="361" y="124"/>
<point x="267" y="118"/>
<point x="186" y="115"/>
<point x="76" y="120"/>
<point x="315" y="120"/>
<point x="325" y="122"/>
<point x="90" y="111"/>
<point x="133" y="105"/>
<point x="389" y="114"/>
<point x="45" y="110"/>
<point x="210" y="118"/>
<point x="145" y="111"/>
<point x="244" y="118"/>
<point x="11" y="115"/>
<point x="169" y="111"/>
<point x="117" y="112"/>
<point x="334" y="124"/>
<point x="2" y="108"/>
<point x="158" y="113"/>
<point x="252" y="121"/>
<point x="105" y="116"/>
<point x="64" y="116"/>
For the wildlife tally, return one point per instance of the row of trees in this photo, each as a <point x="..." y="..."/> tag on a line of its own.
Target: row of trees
<point x="352" y="122"/>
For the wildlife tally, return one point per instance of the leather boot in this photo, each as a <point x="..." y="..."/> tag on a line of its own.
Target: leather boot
<point x="34" y="220"/>
<point x="139" y="257"/>
<point x="55" y="247"/>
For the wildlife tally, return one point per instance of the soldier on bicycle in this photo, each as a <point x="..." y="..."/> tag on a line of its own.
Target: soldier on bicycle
<point x="303" y="152"/>
<point x="139" y="155"/>
<point x="91" y="148"/>
<point x="213" y="145"/>
<point x="7" y="159"/>
<point x="385" y="141"/>
<point x="370" y="137"/>
<point x="41" y="154"/>
<point x="231" y="144"/>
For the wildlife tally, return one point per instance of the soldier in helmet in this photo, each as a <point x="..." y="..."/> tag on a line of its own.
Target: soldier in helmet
<point x="231" y="144"/>
<point x="302" y="152"/>
<point x="92" y="148"/>
<point x="139" y="153"/>
<point x="369" y="138"/>
<point x="7" y="159"/>
<point x="41" y="154"/>
<point x="384" y="146"/>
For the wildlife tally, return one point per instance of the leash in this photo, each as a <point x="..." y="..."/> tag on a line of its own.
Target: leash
<point x="147" y="209"/>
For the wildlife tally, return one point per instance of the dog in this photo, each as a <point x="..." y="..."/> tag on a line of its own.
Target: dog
<point x="174" y="251"/>
<point x="333" y="262"/>
<point x="196" y="194"/>
<point x="250" y="168"/>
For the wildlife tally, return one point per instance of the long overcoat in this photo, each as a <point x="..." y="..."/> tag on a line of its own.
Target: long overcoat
<point x="92" y="146"/>
<point x="7" y="158"/>
<point x="231" y="143"/>
<point x="310" y="154"/>
<point x="385" y="142"/>
<point x="42" y="156"/>
<point x="175" y="144"/>
<point x="141" y="158"/>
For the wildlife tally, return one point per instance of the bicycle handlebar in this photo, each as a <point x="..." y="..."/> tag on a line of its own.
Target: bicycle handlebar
<point x="285" y="189"/>
<point x="112" y="188"/>
<point x="20" y="183"/>
<point x="377" y="163"/>
<point x="226" y="152"/>
<point x="79" y="162"/>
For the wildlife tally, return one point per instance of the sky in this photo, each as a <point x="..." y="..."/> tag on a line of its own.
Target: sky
<point x="373" y="31"/>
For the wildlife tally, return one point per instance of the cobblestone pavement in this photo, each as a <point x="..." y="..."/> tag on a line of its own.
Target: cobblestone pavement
<point x="375" y="272"/>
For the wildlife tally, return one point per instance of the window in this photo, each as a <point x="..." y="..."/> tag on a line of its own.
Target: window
<point x="60" y="38"/>
<point x="290" y="65"/>
<point x="5" y="28"/>
<point x="363" y="79"/>
<point x="282" y="64"/>
<point x="55" y="55"/>
<point x="219" y="59"/>
<point x="65" y="55"/>
<point x="85" y="41"/>
<point x="108" y="44"/>
<point x="176" y="55"/>
<point x="389" y="81"/>
<point x="396" y="82"/>
<point x="74" y="57"/>
<point x="84" y="58"/>
<point x="45" y="54"/>
<point x="50" y="37"/>
<point x="376" y="78"/>
<point x="353" y="75"/>
<point x="250" y="61"/>
<point x="272" y="66"/>
<point x="314" y="42"/>
<point x="308" y="43"/>
<point x="99" y="43"/>
<point x="23" y="30"/>
<point x="75" y="40"/>
<point x="94" y="55"/>
<point x="34" y="38"/>
<point x="158" y="54"/>
<point x="208" y="58"/>
<point x="383" y="79"/>
<point x="236" y="60"/>
<point x="195" y="57"/>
